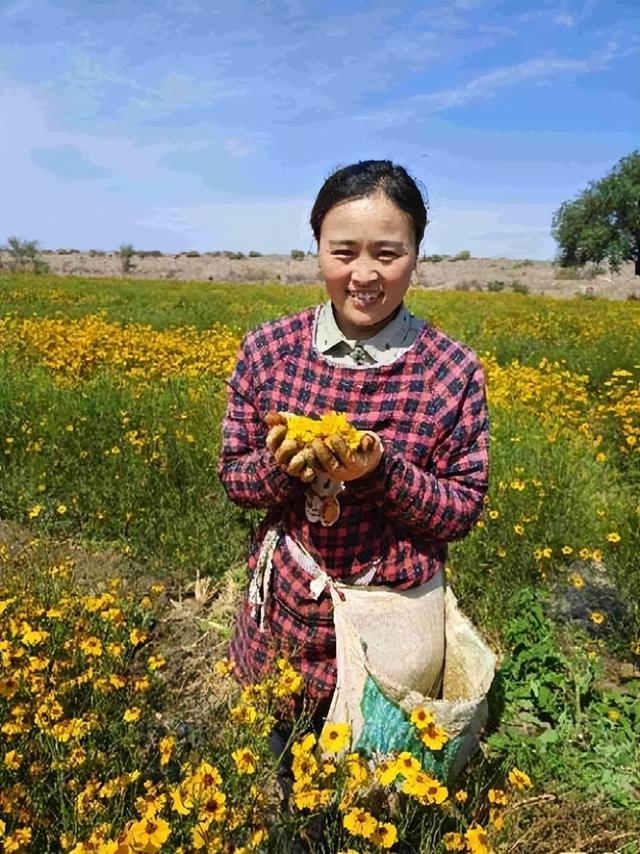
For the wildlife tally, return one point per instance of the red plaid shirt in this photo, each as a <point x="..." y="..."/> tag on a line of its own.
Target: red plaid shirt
<point x="429" y="408"/>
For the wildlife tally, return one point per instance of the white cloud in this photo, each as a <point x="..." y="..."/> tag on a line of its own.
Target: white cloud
<point x="488" y="84"/>
<point x="265" y="225"/>
<point x="486" y="228"/>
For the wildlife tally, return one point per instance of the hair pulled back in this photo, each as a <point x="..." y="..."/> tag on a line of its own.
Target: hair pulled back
<point x="366" y="178"/>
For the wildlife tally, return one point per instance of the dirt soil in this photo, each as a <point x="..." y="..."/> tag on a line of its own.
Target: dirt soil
<point x="540" y="277"/>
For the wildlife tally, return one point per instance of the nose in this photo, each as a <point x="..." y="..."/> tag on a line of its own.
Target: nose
<point x="364" y="271"/>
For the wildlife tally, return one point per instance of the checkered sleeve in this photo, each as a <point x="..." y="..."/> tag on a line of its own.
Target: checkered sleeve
<point x="248" y="471"/>
<point x="444" y="501"/>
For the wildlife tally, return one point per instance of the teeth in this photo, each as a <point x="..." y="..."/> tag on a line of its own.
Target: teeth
<point x="364" y="297"/>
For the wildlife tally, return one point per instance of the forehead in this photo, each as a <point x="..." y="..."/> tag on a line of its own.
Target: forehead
<point x="372" y="218"/>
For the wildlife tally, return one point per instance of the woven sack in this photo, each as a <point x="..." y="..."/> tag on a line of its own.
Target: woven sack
<point x="390" y="646"/>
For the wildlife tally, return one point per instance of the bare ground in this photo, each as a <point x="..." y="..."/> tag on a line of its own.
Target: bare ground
<point x="539" y="277"/>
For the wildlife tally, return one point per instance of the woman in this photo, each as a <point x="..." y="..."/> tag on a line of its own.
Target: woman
<point x="384" y="513"/>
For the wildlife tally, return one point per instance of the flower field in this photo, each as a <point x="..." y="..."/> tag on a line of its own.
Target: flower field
<point x="111" y="397"/>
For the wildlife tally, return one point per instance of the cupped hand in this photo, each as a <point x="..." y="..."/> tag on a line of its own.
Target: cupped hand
<point x="340" y="462"/>
<point x="294" y="458"/>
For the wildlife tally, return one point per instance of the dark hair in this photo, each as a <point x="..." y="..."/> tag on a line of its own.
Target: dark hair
<point x="365" y="179"/>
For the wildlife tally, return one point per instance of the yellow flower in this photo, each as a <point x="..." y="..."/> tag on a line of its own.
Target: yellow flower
<point x="13" y="759"/>
<point x="406" y="764"/>
<point x="497" y="796"/>
<point x="141" y="683"/>
<point x="167" y="745"/>
<point x="131" y="715"/>
<point x="519" y="530"/>
<point x="461" y="796"/>
<point x="289" y="682"/>
<point x="33" y="637"/>
<point x="493" y="514"/>
<point x="213" y="808"/>
<point x="386" y="771"/>
<point x="223" y="667"/>
<point x="454" y="842"/>
<point x="243" y="714"/>
<point x="304" y="765"/>
<point x="567" y="550"/>
<point x="477" y="840"/>
<point x="357" y="768"/>
<point x="148" y="834"/>
<point x="359" y="822"/>
<point x="496" y="817"/>
<point x="137" y="636"/>
<point x="35" y="511"/>
<point x="577" y="580"/>
<point x="434" y="736"/>
<point x="18" y="840"/>
<point x="425" y="789"/>
<point x="91" y="646"/>
<point x="246" y="760"/>
<point x="421" y="717"/>
<point x="308" y="797"/>
<point x="597" y="617"/>
<point x="613" y="537"/>
<point x="61" y="509"/>
<point x="155" y="662"/>
<point x="385" y="835"/>
<point x="304" y="745"/>
<point x="519" y="779"/>
<point x="334" y="737"/>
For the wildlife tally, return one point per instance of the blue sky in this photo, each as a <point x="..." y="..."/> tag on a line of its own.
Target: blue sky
<point x="211" y="124"/>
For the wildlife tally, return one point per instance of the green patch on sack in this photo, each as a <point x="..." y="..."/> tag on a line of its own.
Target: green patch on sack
<point x="388" y="730"/>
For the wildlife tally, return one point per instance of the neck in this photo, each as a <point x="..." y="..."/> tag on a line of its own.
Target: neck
<point x="362" y="333"/>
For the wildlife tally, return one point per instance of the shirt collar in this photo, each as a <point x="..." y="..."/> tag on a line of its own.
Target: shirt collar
<point x="329" y="333"/>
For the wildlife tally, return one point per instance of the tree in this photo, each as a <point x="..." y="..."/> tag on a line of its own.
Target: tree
<point x="603" y="222"/>
<point x="24" y="252"/>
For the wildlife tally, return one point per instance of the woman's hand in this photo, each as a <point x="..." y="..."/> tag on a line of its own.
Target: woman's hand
<point x="297" y="461"/>
<point x="331" y="456"/>
<point x="340" y="462"/>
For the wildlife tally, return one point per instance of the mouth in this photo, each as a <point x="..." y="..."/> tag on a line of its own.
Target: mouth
<point x="364" y="298"/>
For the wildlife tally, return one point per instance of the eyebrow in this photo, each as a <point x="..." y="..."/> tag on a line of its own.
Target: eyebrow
<point x="393" y="243"/>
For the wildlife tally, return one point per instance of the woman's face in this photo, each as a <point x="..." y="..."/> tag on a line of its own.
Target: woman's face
<point x="367" y="253"/>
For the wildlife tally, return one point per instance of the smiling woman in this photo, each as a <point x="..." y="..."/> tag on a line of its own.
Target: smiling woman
<point x="379" y="513"/>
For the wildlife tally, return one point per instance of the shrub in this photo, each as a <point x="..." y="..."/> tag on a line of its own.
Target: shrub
<point x="519" y="287"/>
<point x="297" y="255"/>
<point x="126" y="253"/>
<point x="496" y="286"/>
<point x="254" y="254"/>
<point x="25" y="253"/>
<point x="524" y="263"/>
<point x="192" y="254"/>
<point x="468" y="285"/>
<point x="465" y="255"/>
<point x="567" y="273"/>
<point x="434" y="259"/>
